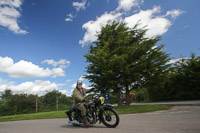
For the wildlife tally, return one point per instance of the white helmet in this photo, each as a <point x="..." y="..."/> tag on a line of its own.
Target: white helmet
<point x="79" y="82"/>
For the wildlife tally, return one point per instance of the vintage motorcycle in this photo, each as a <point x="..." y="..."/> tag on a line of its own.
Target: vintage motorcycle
<point x="97" y="110"/>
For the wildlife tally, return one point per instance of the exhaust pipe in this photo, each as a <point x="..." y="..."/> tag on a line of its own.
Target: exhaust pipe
<point x="74" y="122"/>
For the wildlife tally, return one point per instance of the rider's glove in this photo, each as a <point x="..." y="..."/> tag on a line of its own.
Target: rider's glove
<point x="92" y="89"/>
<point x="84" y="101"/>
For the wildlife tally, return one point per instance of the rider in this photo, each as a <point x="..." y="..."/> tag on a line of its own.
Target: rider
<point x="79" y="99"/>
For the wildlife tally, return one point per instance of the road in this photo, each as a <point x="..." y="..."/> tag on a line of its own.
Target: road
<point x="180" y="119"/>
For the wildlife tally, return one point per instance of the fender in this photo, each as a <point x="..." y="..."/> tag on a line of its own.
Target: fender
<point x="107" y="105"/>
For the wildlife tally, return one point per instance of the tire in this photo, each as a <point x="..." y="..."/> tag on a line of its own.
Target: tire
<point x="107" y="117"/>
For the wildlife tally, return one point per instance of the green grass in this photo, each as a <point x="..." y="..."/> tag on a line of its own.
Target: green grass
<point x="61" y="114"/>
<point x="140" y="108"/>
<point x="43" y="115"/>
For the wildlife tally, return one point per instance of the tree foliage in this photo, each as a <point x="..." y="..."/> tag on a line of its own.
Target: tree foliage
<point x="182" y="83"/>
<point x="23" y="103"/>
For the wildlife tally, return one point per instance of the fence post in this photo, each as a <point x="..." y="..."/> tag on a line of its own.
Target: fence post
<point x="57" y="103"/>
<point x="36" y="105"/>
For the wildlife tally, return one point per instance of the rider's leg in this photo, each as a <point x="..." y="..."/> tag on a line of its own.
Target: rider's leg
<point x="82" y="108"/>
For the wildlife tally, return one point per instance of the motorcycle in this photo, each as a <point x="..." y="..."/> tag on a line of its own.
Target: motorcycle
<point x="97" y="110"/>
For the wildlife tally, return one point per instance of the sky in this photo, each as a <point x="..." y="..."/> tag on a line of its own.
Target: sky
<point x="42" y="42"/>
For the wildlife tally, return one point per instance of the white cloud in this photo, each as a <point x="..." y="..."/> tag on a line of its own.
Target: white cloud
<point x="37" y="87"/>
<point x="69" y="80"/>
<point x="12" y="3"/>
<point x="81" y="78"/>
<point x="70" y="17"/>
<point x="92" y="27"/>
<point x="9" y="15"/>
<point x="127" y="5"/>
<point x="176" y="60"/>
<point x="73" y="86"/>
<point x="185" y="27"/>
<point x="64" y="92"/>
<point x="24" y="69"/>
<point x="63" y="63"/>
<point x="79" y="5"/>
<point x="174" y="13"/>
<point x="156" y="25"/>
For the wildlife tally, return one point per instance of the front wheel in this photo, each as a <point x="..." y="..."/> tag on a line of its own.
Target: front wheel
<point x="110" y="118"/>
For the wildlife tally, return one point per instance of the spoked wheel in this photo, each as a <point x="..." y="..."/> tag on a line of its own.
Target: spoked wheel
<point x="110" y="118"/>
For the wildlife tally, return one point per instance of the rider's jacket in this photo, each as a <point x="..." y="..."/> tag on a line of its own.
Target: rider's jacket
<point x="78" y="95"/>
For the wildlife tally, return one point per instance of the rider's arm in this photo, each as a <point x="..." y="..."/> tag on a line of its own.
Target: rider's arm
<point x="88" y="90"/>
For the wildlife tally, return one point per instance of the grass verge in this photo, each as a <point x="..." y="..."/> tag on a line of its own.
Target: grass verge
<point x="61" y="114"/>
<point x="140" y="108"/>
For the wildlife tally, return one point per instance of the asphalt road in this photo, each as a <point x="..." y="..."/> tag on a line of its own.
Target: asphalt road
<point x="180" y="119"/>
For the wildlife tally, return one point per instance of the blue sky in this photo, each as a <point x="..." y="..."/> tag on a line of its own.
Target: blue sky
<point x="42" y="42"/>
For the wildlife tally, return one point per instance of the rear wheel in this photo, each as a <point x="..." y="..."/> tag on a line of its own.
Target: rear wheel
<point x="110" y="118"/>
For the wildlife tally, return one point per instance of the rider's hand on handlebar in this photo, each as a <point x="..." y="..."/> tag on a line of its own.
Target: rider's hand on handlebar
<point x="92" y="89"/>
<point x="85" y="101"/>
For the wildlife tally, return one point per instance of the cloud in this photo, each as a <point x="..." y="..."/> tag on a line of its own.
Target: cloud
<point x="81" y="78"/>
<point x="174" y="13"/>
<point x="69" y="80"/>
<point x="92" y="27"/>
<point x="79" y="5"/>
<point x="25" y="69"/>
<point x="127" y="5"/>
<point x="70" y="17"/>
<point x="176" y="60"/>
<point x="156" y="25"/>
<point x="37" y="87"/>
<point x="185" y="27"/>
<point x="64" y="92"/>
<point x="9" y="14"/>
<point x="13" y="3"/>
<point x="63" y="63"/>
<point x="151" y="19"/>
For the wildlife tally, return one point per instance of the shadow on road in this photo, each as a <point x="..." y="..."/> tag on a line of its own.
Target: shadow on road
<point x="81" y="127"/>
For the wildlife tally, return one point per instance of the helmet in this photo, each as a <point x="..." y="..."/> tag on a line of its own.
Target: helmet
<point x="79" y="82"/>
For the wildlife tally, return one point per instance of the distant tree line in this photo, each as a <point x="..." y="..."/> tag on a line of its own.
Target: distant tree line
<point x="122" y="60"/>
<point x="11" y="104"/>
<point x="181" y="83"/>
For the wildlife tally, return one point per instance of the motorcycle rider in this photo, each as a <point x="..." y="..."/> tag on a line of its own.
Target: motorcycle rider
<point x="79" y="95"/>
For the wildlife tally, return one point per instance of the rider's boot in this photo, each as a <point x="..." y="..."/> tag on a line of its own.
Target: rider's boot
<point x="86" y="121"/>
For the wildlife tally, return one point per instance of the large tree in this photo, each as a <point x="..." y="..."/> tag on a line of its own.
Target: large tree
<point x="122" y="58"/>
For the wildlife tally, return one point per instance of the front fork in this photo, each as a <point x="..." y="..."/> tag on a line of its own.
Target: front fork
<point x="101" y="111"/>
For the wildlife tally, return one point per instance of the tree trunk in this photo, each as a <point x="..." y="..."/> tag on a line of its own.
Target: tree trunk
<point x="127" y="96"/>
<point x="118" y="96"/>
